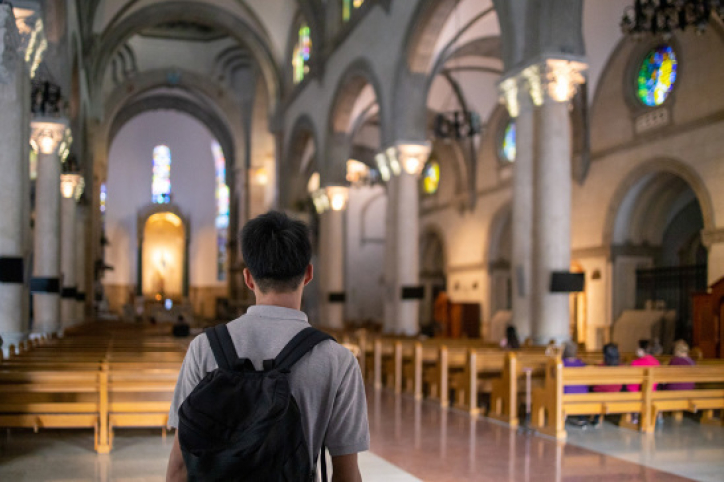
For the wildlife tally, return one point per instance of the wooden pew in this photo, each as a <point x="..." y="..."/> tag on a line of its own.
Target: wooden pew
<point x="505" y="391"/>
<point x="55" y="399"/>
<point x="707" y="396"/>
<point x="551" y="405"/>
<point x="139" y="398"/>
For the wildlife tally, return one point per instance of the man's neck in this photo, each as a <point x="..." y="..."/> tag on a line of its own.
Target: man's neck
<point x="291" y="300"/>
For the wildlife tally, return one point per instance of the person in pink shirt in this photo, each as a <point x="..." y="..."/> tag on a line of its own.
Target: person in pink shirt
<point x="644" y="359"/>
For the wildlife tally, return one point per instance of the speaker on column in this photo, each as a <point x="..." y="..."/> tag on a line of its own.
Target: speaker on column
<point x="566" y="282"/>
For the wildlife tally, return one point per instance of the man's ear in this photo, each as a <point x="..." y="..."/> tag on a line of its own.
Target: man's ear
<point x="248" y="280"/>
<point x="308" y="274"/>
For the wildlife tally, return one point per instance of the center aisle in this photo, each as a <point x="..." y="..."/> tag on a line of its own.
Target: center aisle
<point x="438" y="445"/>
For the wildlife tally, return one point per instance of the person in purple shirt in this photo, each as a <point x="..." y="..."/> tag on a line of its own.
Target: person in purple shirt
<point x="571" y="360"/>
<point x="681" y="357"/>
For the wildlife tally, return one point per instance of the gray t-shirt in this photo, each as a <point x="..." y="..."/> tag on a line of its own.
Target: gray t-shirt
<point x="326" y="383"/>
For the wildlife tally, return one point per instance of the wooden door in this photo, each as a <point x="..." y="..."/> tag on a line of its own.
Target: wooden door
<point x="705" y="329"/>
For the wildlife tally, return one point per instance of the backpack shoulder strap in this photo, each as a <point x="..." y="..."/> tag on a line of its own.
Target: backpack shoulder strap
<point x="222" y="346"/>
<point x="298" y="346"/>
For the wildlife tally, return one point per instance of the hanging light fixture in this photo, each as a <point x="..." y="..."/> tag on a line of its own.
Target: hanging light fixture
<point x="665" y="16"/>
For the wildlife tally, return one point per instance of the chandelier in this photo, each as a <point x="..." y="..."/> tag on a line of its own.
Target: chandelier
<point x="664" y="16"/>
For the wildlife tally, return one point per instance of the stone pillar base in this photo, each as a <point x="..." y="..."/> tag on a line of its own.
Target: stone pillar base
<point x="12" y="338"/>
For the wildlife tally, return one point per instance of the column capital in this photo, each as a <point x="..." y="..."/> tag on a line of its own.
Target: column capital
<point x="554" y="80"/>
<point x="9" y="42"/>
<point x="50" y="135"/>
<point x="710" y="237"/>
<point x="71" y="186"/>
<point x="33" y="42"/>
<point x="551" y="79"/>
<point x="412" y="155"/>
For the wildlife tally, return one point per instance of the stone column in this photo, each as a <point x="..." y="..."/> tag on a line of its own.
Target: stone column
<point x="48" y="133"/>
<point x="12" y="181"/>
<point x="391" y="299"/>
<point x="516" y="96"/>
<point x="80" y="261"/>
<point x="552" y="85"/>
<point x="69" y="185"/>
<point x="407" y="160"/>
<point x="331" y="257"/>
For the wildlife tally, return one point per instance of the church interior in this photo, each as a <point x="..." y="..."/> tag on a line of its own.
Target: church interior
<point x="486" y="183"/>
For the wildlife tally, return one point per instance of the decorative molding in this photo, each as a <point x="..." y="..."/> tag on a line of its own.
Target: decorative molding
<point x="712" y="237"/>
<point x="652" y="120"/>
<point x="9" y="42"/>
<point x="467" y="268"/>
<point x="665" y="132"/>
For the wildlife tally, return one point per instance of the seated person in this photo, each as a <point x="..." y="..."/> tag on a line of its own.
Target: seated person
<point x="511" y="340"/>
<point x="181" y="329"/>
<point x="571" y="360"/>
<point x="611" y="358"/>
<point x="643" y="359"/>
<point x="681" y="357"/>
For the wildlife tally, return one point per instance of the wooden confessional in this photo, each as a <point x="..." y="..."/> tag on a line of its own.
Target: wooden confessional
<point x="708" y="320"/>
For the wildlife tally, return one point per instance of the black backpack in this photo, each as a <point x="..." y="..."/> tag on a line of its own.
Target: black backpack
<point x="240" y="424"/>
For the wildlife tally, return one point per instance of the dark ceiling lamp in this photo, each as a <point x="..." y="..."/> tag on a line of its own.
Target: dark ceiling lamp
<point x="662" y="17"/>
<point x="457" y="124"/>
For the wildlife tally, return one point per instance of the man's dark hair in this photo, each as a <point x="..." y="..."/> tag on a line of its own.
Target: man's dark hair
<point x="277" y="251"/>
<point x="610" y="355"/>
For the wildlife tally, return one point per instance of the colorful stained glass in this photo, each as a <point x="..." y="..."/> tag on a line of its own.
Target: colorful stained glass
<point x="222" y="211"/>
<point x="161" y="183"/>
<point x="657" y="76"/>
<point x="431" y="177"/>
<point x="301" y="54"/>
<point x="508" y="147"/>
<point x="103" y="201"/>
<point x="348" y="7"/>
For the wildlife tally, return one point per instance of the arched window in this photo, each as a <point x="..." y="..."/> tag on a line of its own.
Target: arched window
<point x="222" y="211"/>
<point x="431" y="177"/>
<point x="103" y="202"/>
<point x="349" y="7"/>
<point x="507" y="149"/>
<point x="301" y="54"/>
<point x="657" y="75"/>
<point x="161" y="184"/>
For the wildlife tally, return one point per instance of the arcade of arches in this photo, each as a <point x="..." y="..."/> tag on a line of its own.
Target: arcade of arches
<point x="465" y="166"/>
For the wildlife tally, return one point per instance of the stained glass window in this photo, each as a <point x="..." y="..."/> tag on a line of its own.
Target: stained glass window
<point x="222" y="211"/>
<point x="161" y="184"/>
<point x="103" y="201"/>
<point x="431" y="177"/>
<point x="302" y="51"/>
<point x="657" y="76"/>
<point x="348" y="7"/>
<point x="508" y="146"/>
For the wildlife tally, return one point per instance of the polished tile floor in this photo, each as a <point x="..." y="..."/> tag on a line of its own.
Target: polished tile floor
<point x="685" y="448"/>
<point x="411" y="441"/>
<point x="448" y="445"/>
<point x="138" y="456"/>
